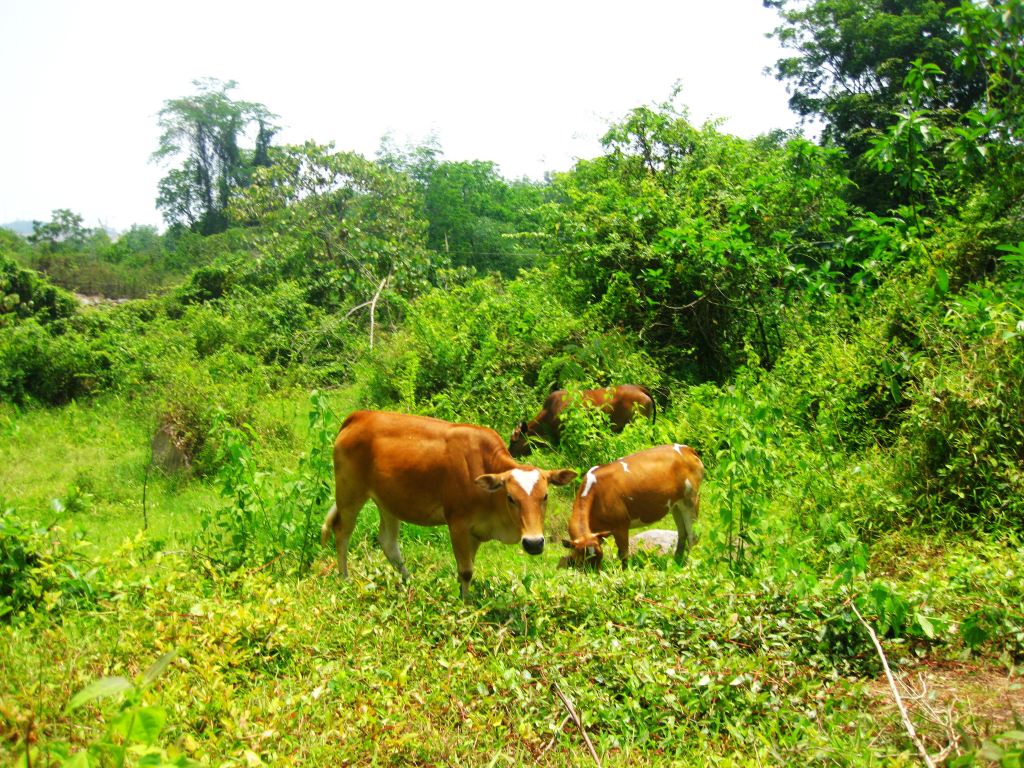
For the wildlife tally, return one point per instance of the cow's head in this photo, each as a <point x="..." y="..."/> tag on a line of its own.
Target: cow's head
<point x="584" y="552"/>
<point x="526" y="499"/>
<point x="518" y="445"/>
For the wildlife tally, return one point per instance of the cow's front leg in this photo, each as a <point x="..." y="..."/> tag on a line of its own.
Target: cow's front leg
<point x="622" y="545"/>
<point x="464" y="545"/>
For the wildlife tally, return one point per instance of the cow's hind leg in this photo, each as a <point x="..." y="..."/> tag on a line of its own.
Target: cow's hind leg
<point x="685" y="517"/>
<point x="388" y="538"/>
<point x="342" y="520"/>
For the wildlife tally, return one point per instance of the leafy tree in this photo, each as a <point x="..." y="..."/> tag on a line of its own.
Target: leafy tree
<point x="690" y="237"/>
<point x="852" y="57"/>
<point x="476" y="218"/>
<point x="475" y="215"/>
<point x="992" y="36"/>
<point x="63" y="232"/>
<point x="347" y="226"/>
<point x="207" y="130"/>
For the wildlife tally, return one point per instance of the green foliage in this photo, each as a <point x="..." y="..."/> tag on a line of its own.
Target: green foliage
<point x="746" y="471"/>
<point x="40" y="571"/>
<point x="475" y="218"/>
<point x="964" y="438"/>
<point x="490" y="352"/>
<point x="135" y="729"/>
<point x="687" y="237"/>
<point x="54" y="368"/>
<point x="267" y="519"/>
<point x="207" y="129"/>
<point x="851" y="61"/>
<point x="347" y="227"/>
<point x="136" y="263"/>
<point x="24" y="294"/>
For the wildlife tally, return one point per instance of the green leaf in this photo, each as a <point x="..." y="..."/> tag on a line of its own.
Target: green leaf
<point x="941" y="280"/>
<point x="149" y="721"/>
<point x="77" y="760"/>
<point x="157" y="668"/>
<point x="102" y="688"/>
<point x="926" y="625"/>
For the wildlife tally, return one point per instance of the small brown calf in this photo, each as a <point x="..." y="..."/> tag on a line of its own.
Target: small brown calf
<point x="632" y="492"/>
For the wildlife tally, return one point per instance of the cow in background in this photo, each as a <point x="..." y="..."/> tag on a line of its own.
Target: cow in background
<point x="621" y="404"/>
<point x="632" y="492"/>
<point x="426" y="471"/>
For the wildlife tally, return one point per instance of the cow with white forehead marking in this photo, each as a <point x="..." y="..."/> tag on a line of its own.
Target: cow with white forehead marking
<point x="633" y="492"/>
<point x="426" y="471"/>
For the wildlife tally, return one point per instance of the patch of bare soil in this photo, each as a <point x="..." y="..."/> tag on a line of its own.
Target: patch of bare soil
<point x="950" y="702"/>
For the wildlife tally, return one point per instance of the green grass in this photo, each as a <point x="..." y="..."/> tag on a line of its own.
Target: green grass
<point x="665" y="664"/>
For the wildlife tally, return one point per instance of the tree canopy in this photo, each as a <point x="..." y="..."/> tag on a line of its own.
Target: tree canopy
<point x="205" y="133"/>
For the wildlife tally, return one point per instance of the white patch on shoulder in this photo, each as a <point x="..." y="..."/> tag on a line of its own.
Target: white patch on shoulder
<point x="527" y="478"/>
<point x="591" y="481"/>
<point x="625" y="466"/>
<point x="679" y="448"/>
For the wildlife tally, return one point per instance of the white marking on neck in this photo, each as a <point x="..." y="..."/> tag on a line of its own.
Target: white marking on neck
<point x="591" y="481"/>
<point x="679" y="448"/>
<point x="625" y="466"/>
<point x="688" y="485"/>
<point x="527" y="478"/>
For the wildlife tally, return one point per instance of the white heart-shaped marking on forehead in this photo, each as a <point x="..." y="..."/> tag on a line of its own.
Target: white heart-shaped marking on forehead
<point x="527" y="478"/>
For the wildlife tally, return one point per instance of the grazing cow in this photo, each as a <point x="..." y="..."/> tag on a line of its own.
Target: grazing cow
<point x="430" y="472"/>
<point x="620" y="403"/>
<point x="655" y="541"/>
<point x="635" y="491"/>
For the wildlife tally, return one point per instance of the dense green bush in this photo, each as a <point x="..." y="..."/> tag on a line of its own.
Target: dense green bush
<point x="963" y="437"/>
<point x="490" y="351"/>
<point x="40" y="570"/>
<point x="269" y="517"/>
<point x="52" y="368"/>
<point x="24" y="294"/>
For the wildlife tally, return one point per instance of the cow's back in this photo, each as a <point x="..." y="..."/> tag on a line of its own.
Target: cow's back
<point x="642" y="483"/>
<point x="415" y="466"/>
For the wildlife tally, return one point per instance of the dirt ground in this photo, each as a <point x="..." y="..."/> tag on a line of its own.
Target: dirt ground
<point x="954" y="703"/>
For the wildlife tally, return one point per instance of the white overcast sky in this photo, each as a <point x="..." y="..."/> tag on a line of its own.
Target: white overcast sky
<point x="529" y="85"/>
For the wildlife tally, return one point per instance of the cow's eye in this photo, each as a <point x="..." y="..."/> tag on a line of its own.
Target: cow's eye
<point x="545" y="497"/>
<point x="511" y="500"/>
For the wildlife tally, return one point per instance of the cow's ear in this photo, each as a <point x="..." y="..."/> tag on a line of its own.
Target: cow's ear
<point x="490" y="483"/>
<point x="567" y="543"/>
<point x="561" y="476"/>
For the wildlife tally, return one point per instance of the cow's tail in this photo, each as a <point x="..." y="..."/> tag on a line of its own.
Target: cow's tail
<point x="325" y="530"/>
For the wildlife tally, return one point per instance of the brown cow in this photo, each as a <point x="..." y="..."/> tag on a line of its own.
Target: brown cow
<point x="620" y="403"/>
<point x="431" y="472"/>
<point x="635" y="491"/>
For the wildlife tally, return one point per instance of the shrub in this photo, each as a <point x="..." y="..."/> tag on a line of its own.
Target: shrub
<point x="39" y="569"/>
<point x="269" y="517"/>
<point x="34" y="363"/>
<point x="24" y="294"/>
<point x="491" y="352"/>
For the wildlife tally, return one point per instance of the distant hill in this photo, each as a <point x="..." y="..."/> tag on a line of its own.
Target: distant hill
<point x="23" y="228"/>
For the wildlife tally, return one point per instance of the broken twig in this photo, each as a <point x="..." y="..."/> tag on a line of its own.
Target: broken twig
<point x="576" y="719"/>
<point x="911" y="731"/>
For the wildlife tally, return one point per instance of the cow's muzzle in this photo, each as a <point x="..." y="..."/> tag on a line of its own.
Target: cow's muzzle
<point x="533" y="545"/>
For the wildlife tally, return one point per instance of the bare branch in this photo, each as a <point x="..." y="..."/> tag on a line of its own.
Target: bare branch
<point x="911" y="731"/>
<point x="576" y="719"/>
